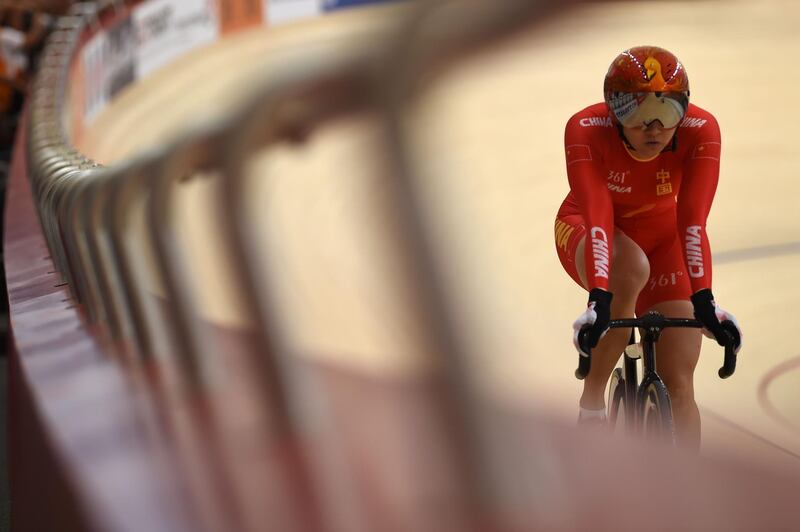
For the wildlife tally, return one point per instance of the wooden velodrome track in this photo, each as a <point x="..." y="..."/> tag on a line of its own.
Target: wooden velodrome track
<point x="490" y="138"/>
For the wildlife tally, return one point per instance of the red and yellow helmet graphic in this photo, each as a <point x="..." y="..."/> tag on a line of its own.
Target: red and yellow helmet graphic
<point x="646" y="69"/>
<point x="647" y="83"/>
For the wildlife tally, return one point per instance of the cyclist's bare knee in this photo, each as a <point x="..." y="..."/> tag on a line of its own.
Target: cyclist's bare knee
<point x="630" y="268"/>
<point x="681" y="389"/>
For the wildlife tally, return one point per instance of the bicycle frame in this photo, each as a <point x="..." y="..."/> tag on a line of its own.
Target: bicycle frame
<point x="631" y="390"/>
<point x="640" y="396"/>
<point x="636" y="390"/>
<point x="652" y="332"/>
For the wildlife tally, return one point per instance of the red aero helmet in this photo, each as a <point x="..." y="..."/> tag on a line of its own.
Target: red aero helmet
<point x="645" y="84"/>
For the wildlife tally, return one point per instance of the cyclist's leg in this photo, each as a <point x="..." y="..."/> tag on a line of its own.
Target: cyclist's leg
<point x="668" y="292"/>
<point x="630" y="270"/>
<point x="629" y="273"/>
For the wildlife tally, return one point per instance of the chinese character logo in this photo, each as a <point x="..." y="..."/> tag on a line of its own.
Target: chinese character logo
<point x="664" y="186"/>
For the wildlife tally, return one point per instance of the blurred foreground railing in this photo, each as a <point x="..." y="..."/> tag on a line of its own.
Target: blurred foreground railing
<point x="295" y="461"/>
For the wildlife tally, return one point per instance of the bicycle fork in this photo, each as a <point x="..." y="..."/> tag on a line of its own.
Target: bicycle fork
<point x="649" y="374"/>
<point x="635" y="390"/>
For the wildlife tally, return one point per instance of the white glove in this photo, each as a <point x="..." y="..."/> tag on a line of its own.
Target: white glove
<point x="584" y="320"/>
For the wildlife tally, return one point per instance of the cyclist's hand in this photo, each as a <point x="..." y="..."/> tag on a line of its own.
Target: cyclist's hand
<point x="717" y="323"/>
<point x="595" y="319"/>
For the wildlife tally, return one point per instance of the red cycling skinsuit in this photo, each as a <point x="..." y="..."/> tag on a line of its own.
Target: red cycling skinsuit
<point x="661" y="204"/>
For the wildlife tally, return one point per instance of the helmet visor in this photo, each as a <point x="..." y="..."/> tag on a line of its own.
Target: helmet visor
<point x="636" y="109"/>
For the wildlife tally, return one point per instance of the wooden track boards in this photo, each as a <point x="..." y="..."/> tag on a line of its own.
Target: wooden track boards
<point x="490" y="141"/>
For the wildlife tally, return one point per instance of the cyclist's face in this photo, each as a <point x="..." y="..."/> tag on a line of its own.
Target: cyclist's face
<point x="648" y="141"/>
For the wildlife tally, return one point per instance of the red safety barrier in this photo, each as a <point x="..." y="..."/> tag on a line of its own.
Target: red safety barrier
<point x="83" y="451"/>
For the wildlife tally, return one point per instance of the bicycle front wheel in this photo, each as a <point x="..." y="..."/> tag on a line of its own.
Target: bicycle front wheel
<point x="616" y="400"/>
<point x="656" y="414"/>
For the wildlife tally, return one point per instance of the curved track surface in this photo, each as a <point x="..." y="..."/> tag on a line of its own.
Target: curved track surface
<point x="490" y="138"/>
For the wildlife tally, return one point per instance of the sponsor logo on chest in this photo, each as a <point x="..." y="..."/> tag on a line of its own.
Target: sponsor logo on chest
<point x="617" y="181"/>
<point x="620" y="182"/>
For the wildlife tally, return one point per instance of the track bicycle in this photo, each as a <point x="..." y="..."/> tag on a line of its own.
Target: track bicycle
<point x="645" y="404"/>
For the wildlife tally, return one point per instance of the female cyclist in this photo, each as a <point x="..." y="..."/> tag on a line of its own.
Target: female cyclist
<point x="643" y="167"/>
